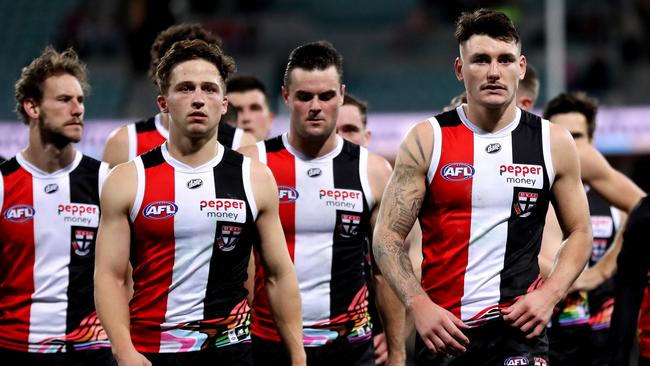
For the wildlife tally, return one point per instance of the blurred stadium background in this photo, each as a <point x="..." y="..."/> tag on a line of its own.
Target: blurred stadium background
<point x="398" y="56"/>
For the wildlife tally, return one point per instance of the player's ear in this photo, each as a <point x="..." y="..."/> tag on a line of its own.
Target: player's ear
<point x="162" y="104"/>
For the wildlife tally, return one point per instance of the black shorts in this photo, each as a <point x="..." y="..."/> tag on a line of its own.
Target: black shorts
<point x="100" y="357"/>
<point x="338" y="353"/>
<point x="570" y="345"/>
<point x="234" y="355"/>
<point x="493" y="344"/>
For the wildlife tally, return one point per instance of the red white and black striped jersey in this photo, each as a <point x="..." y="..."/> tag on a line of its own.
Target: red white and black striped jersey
<point x="146" y="134"/>
<point x="192" y="230"/>
<point x="325" y="206"/>
<point x="483" y="213"/>
<point x="48" y="228"/>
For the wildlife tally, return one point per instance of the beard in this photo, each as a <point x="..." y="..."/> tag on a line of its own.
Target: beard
<point x="55" y="136"/>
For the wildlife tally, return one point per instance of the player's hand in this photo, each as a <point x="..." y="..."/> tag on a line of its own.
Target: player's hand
<point x="132" y="358"/>
<point x="440" y="330"/>
<point x="530" y="313"/>
<point x="381" y="348"/>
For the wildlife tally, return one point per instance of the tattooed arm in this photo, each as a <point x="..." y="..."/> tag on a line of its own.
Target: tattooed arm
<point x="439" y="329"/>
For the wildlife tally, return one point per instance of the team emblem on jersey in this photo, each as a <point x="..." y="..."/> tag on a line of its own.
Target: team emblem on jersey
<point x="456" y="172"/>
<point x="160" y="210"/>
<point x="598" y="249"/>
<point x="349" y="225"/>
<point x="287" y="194"/>
<point x="19" y="213"/>
<point x="229" y="237"/>
<point x="538" y="361"/>
<point x="513" y="361"/>
<point x="493" y="148"/>
<point x="314" y="172"/>
<point x="194" y="183"/>
<point x="82" y="241"/>
<point x="526" y="202"/>
<point x="51" y="188"/>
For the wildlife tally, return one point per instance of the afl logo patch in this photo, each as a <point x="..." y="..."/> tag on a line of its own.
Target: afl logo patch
<point x="51" y="188"/>
<point x="194" y="183"/>
<point x="457" y="171"/>
<point x="314" y="172"/>
<point x="493" y="148"/>
<point x="513" y="361"/>
<point x="287" y="194"/>
<point x="160" y="210"/>
<point x="19" y="213"/>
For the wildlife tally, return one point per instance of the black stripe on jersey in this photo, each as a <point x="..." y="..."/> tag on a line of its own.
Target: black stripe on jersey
<point x="146" y="125"/>
<point x="153" y="157"/>
<point x="525" y="233"/>
<point x="274" y="144"/>
<point x="9" y="166"/>
<point x="84" y="180"/>
<point x="349" y="235"/>
<point x="449" y="119"/>
<point x="232" y="243"/>
<point x="598" y="206"/>
<point x="226" y="134"/>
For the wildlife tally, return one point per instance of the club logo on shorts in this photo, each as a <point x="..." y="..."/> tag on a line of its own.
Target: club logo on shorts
<point x="229" y="237"/>
<point x="19" y="213"/>
<point x="514" y="361"/>
<point x="526" y="202"/>
<point x="287" y="194"/>
<point x="538" y="361"/>
<point x="457" y="172"/>
<point x="82" y="241"/>
<point x="160" y="210"/>
<point x="314" y="172"/>
<point x="493" y="148"/>
<point x="51" y="188"/>
<point x="194" y="183"/>
<point x="349" y="225"/>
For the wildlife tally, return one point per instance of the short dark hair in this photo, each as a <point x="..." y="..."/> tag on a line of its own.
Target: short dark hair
<point x="487" y="22"/>
<point x="192" y="50"/>
<point x="180" y="32"/>
<point x="244" y="83"/>
<point x="49" y="63"/>
<point x="530" y="83"/>
<point x="578" y="102"/>
<point x="314" y="56"/>
<point x="349" y="99"/>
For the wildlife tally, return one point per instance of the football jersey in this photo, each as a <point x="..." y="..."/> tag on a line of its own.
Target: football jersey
<point x="483" y="213"/>
<point x="325" y="206"/>
<point x="48" y="228"/>
<point x="191" y="237"/>
<point x="146" y="134"/>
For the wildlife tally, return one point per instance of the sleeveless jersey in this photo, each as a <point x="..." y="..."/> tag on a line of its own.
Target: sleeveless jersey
<point x="325" y="206"/>
<point x="48" y="228"/>
<point x="146" y="134"/>
<point x="191" y="237"/>
<point x="483" y="213"/>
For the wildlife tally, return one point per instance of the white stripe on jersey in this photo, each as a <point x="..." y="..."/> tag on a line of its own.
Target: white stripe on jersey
<point x="140" y="184"/>
<point x="133" y="140"/>
<point x="236" y="139"/>
<point x="546" y="149"/>
<point x="437" y="149"/>
<point x="491" y="210"/>
<point x="261" y="152"/>
<point x="248" y="187"/>
<point x="101" y="177"/>
<point x="363" y="176"/>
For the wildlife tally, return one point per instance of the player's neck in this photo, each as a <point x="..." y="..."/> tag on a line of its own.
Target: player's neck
<point x="193" y="152"/>
<point x="490" y="119"/>
<point x="164" y="120"/>
<point x="48" y="157"/>
<point x="312" y="148"/>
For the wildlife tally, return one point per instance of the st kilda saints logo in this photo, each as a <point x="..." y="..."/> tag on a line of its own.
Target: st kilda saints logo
<point x="349" y="225"/>
<point x="82" y="241"/>
<point x="228" y="236"/>
<point x="526" y="202"/>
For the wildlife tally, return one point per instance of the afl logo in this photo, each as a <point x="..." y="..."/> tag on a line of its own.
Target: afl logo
<point x="457" y="171"/>
<point x="160" y="210"/>
<point x="51" y="188"/>
<point x="19" y="213"/>
<point x="314" y="172"/>
<point x="287" y="194"/>
<point x="512" y="361"/>
<point x="194" y="183"/>
<point x="493" y="148"/>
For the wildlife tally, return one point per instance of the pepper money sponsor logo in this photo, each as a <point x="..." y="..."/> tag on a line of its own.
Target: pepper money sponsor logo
<point x="79" y="214"/>
<point x="224" y="209"/>
<point x="348" y="199"/>
<point x="522" y="175"/>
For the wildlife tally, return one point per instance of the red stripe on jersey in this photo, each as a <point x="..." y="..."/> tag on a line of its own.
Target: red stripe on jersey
<point x="17" y="254"/>
<point x="153" y="248"/>
<point x="147" y="140"/>
<point x="282" y="164"/>
<point x="644" y="325"/>
<point x="446" y="220"/>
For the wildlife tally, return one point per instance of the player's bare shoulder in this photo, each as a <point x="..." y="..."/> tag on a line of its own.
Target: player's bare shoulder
<point x="116" y="150"/>
<point x="563" y="149"/>
<point x="120" y="186"/>
<point x="417" y="147"/>
<point x="249" y="151"/>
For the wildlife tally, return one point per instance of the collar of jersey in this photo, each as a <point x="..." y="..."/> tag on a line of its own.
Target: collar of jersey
<point x="157" y="121"/>
<point x="329" y="156"/>
<point x="481" y="132"/>
<point x="36" y="172"/>
<point x="182" y="167"/>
